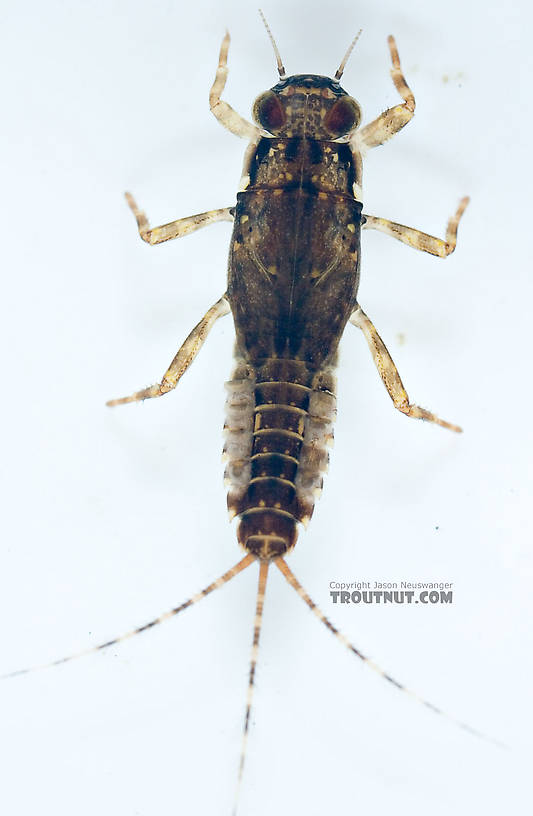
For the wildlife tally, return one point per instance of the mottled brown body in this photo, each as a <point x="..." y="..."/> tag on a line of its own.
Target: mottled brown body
<point x="292" y="285"/>
<point x="293" y="280"/>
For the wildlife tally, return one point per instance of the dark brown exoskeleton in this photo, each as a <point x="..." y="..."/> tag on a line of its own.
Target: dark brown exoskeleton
<point x="292" y="287"/>
<point x="293" y="277"/>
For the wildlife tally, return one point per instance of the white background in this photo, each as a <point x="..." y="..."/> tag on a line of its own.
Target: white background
<point x="111" y="517"/>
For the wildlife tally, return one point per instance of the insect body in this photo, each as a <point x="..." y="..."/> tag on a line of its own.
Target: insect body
<point x="293" y="274"/>
<point x="292" y="287"/>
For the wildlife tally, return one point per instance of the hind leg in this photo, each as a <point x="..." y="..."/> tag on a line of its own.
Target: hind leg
<point x="389" y="373"/>
<point x="183" y="358"/>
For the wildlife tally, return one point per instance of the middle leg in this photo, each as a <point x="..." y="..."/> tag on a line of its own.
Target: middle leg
<point x="389" y="373"/>
<point x="417" y="239"/>
<point x="175" y="229"/>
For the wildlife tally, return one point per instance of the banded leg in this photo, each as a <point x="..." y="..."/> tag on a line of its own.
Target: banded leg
<point x="183" y="358"/>
<point x="420" y="240"/>
<point x="393" y="119"/>
<point x="176" y="229"/>
<point x="389" y="373"/>
<point x="225" y="114"/>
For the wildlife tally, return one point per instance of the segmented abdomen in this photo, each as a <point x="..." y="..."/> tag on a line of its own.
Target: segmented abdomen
<point x="279" y="423"/>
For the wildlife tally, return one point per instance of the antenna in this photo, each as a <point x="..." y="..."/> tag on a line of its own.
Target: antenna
<point x="281" y="69"/>
<point x="346" y="57"/>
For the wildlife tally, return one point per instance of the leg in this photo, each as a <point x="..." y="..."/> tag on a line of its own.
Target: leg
<point x="420" y="240"/>
<point x="183" y="358"/>
<point x="225" y="114"/>
<point x="176" y="229"/>
<point x="393" y="119"/>
<point x="389" y="373"/>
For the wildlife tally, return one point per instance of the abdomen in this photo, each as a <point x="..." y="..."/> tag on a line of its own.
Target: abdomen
<point x="279" y="424"/>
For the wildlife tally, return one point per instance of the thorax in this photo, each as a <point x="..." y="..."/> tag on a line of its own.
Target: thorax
<point x="302" y="163"/>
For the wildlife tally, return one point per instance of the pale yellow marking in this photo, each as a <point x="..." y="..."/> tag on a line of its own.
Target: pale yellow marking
<point x="290" y="458"/>
<point x="372" y="665"/>
<point x="289" y="176"/>
<point x="272" y="270"/>
<point x="335" y="157"/>
<point x="323" y="195"/>
<point x="270" y="406"/>
<point x="357" y="192"/>
<point x="277" y="478"/>
<point x="244" y="219"/>
<point x="351" y="227"/>
<point x="271" y="152"/>
<point x="263" y="431"/>
<point x="254" y="510"/>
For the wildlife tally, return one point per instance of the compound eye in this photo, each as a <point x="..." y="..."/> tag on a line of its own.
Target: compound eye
<point x="268" y="112"/>
<point x="342" y="117"/>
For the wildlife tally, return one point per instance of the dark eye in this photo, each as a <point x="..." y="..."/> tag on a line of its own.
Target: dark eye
<point x="268" y="112"/>
<point x="342" y="117"/>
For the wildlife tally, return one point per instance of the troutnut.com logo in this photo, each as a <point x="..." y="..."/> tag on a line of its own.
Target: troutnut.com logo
<point x="391" y="592"/>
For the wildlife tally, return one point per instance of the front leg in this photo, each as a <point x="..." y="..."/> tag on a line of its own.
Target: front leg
<point x="420" y="240"/>
<point x="390" y="375"/>
<point x="225" y="114"/>
<point x="393" y="119"/>
<point x="176" y="229"/>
